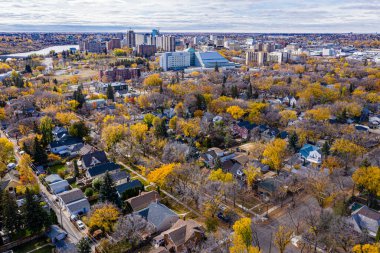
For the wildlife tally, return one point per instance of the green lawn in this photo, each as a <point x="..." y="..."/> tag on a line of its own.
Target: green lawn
<point x="57" y="168"/>
<point x="33" y="245"/>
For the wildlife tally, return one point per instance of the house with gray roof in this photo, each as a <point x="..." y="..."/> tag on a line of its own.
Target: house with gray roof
<point x="127" y="188"/>
<point x="365" y="219"/>
<point x="143" y="200"/>
<point x="74" y="201"/>
<point x="159" y="215"/>
<point x="311" y="153"/>
<point x="53" y="178"/>
<point x="59" y="186"/>
<point x="94" y="158"/>
<point x="101" y="169"/>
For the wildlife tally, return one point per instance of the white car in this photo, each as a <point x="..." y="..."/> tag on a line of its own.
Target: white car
<point x="80" y="225"/>
<point x="11" y="166"/>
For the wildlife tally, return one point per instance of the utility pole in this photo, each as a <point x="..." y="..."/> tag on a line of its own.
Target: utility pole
<point x="270" y="243"/>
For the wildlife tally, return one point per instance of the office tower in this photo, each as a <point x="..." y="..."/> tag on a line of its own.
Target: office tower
<point x="168" y="43"/>
<point x="113" y="44"/>
<point x="131" y="39"/>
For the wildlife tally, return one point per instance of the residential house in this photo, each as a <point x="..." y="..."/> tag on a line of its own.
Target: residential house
<point x="365" y="219"/>
<point x="267" y="187"/>
<point x="311" y="154"/>
<point x="159" y="215"/>
<point x="65" y="145"/>
<point x="243" y="129"/>
<point x="93" y="159"/>
<point x="59" y="186"/>
<point x="53" y="178"/>
<point x="96" y="103"/>
<point x="212" y="154"/>
<point x="183" y="236"/>
<point x="118" y="176"/>
<point x="10" y="181"/>
<point x="101" y="169"/>
<point x="143" y="200"/>
<point x="270" y="134"/>
<point x="86" y="149"/>
<point x="59" y="133"/>
<point x="290" y="101"/>
<point x="127" y="188"/>
<point x="56" y="234"/>
<point x="74" y="202"/>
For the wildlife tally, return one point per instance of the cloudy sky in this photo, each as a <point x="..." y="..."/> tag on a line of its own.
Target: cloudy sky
<point x="192" y="15"/>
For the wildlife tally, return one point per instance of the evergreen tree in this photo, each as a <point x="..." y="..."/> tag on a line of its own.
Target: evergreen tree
<point x="84" y="246"/>
<point x="326" y="149"/>
<point x="76" y="169"/>
<point x="39" y="156"/>
<point x="377" y="238"/>
<point x="201" y="102"/>
<point x="55" y="89"/>
<point x="10" y="218"/>
<point x="223" y="90"/>
<point x="365" y="163"/>
<point x="55" y="81"/>
<point x="110" y="93"/>
<point x="352" y="88"/>
<point x="34" y="216"/>
<point x="249" y="91"/>
<point x="108" y="191"/>
<point x="293" y="140"/>
<point x="79" y="129"/>
<point x="234" y="91"/>
<point x="216" y="67"/>
<point x="79" y="97"/>
<point x="160" y="127"/>
<point x="28" y="69"/>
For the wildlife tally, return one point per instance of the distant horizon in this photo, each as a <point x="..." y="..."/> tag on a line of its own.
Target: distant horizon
<point x="116" y="29"/>
<point x="218" y="16"/>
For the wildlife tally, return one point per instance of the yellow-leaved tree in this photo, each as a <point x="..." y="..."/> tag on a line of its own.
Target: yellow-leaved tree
<point x="369" y="179"/>
<point x="347" y="150"/>
<point x="159" y="175"/>
<point x="318" y="114"/>
<point x="366" y="248"/>
<point x="6" y="154"/>
<point x="104" y="217"/>
<point x="65" y="118"/>
<point x="287" y="116"/>
<point x="242" y="237"/>
<point x="153" y="80"/>
<point x="282" y="238"/>
<point x="112" y="134"/>
<point x="274" y="154"/>
<point x="219" y="175"/>
<point x="251" y="174"/>
<point x="236" y="112"/>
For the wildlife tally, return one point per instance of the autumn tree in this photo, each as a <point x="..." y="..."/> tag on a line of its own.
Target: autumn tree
<point x="282" y="238"/>
<point x="287" y="116"/>
<point x="65" y="118"/>
<point x="347" y="150"/>
<point x="79" y="129"/>
<point x="368" y="178"/>
<point x="242" y="237"/>
<point x="6" y="154"/>
<point x="84" y="246"/>
<point x="153" y="80"/>
<point x="113" y="134"/>
<point x="366" y="248"/>
<point x="236" y="112"/>
<point x="160" y="175"/>
<point x="219" y="175"/>
<point x="318" y="114"/>
<point x="103" y="217"/>
<point x="251" y="174"/>
<point x="274" y="154"/>
<point x="46" y="128"/>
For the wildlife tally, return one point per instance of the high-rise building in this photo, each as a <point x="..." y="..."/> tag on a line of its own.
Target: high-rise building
<point x="91" y="46"/>
<point x="278" y="57"/>
<point x="257" y="58"/>
<point x="131" y="39"/>
<point x="155" y="32"/>
<point x="174" y="60"/>
<point x="168" y="43"/>
<point x="115" y="74"/>
<point x="143" y="39"/>
<point x="113" y="44"/>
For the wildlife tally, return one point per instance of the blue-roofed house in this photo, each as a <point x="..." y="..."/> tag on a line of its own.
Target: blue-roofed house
<point x="127" y="189"/>
<point x="311" y="153"/>
<point x="212" y="59"/>
<point x="159" y="215"/>
<point x="56" y="234"/>
<point x="99" y="170"/>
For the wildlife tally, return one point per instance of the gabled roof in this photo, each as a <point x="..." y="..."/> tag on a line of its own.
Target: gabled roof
<point x="143" y="200"/>
<point x="246" y="124"/>
<point x="366" y="219"/>
<point x="59" y="185"/>
<point x="182" y="231"/>
<point x="241" y="159"/>
<point x="156" y="213"/>
<point x="71" y="196"/>
<point x="98" y="156"/>
<point x="86" y="149"/>
<point x="119" y="175"/>
<point x="125" y="186"/>
<point x="66" y="142"/>
<point x="53" y="178"/>
<point x="307" y="148"/>
<point x="81" y="205"/>
<point x="102" y="168"/>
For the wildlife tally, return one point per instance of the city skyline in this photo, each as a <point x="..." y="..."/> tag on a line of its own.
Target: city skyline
<point x="249" y="16"/>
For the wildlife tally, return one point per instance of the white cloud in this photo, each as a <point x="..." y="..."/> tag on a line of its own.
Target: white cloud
<point x="195" y="15"/>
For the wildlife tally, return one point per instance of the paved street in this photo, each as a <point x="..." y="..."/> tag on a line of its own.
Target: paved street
<point x="74" y="235"/>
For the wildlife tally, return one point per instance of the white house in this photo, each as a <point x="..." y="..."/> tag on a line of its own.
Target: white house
<point x="311" y="154"/>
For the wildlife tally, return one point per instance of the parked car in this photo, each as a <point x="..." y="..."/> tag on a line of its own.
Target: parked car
<point x="80" y="225"/>
<point x="72" y="217"/>
<point x="11" y="166"/>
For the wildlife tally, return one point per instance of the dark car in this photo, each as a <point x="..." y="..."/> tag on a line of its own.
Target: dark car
<point x="224" y="218"/>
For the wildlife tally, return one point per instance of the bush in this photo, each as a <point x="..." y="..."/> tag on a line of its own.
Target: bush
<point x="89" y="192"/>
